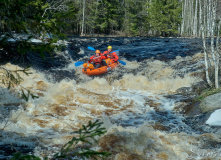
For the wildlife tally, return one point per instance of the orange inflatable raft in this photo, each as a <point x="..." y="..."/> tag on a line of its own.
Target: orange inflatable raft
<point x="89" y="69"/>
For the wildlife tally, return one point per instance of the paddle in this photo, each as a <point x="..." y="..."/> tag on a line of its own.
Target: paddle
<point x="82" y="62"/>
<point x="79" y="63"/>
<point x="91" y="48"/>
<point x="122" y="62"/>
<point x="115" y="51"/>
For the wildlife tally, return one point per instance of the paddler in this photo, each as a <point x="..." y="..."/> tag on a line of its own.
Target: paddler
<point x="97" y="60"/>
<point x="109" y="54"/>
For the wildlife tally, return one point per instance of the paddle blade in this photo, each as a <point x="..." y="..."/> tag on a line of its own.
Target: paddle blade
<point x="90" y="48"/>
<point x="122" y="62"/>
<point x="79" y="63"/>
<point x="115" y="51"/>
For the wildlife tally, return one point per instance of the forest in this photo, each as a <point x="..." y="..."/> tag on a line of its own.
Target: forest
<point x="149" y="18"/>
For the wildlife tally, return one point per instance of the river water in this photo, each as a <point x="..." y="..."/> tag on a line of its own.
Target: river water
<point x="138" y="103"/>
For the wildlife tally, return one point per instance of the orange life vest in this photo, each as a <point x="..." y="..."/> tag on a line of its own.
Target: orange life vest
<point x="109" y="55"/>
<point x="97" y="59"/>
<point x="113" y="56"/>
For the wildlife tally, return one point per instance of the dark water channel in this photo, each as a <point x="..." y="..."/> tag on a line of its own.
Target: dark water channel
<point x="140" y="48"/>
<point x="132" y="49"/>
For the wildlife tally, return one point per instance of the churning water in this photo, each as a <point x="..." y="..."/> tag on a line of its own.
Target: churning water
<point x="138" y="102"/>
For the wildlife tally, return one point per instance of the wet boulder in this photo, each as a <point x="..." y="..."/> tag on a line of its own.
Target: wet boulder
<point x="199" y="87"/>
<point x="194" y="90"/>
<point x="185" y="90"/>
<point x="211" y="103"/>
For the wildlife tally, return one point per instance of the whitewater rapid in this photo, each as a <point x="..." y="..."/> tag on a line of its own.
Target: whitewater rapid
<point x="66" y="105"/>
<point x="132" y="101"/>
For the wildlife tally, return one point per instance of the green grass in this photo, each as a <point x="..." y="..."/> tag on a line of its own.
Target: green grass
<point x="207" y="92"/>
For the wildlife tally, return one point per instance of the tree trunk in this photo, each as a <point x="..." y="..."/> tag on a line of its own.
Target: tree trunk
<point x="200" y="18"/>
<point x="183" y="18"/>
<point x="82" y="28"/>
<point x="214" y="55"/>
<point x="192" y="18"/>
<point x="204" y="13"/>
<point x="217" y="53"/>
<point x="204" y="47"/>
<point x="209" y="18"/>
<point x="195" y="20"/>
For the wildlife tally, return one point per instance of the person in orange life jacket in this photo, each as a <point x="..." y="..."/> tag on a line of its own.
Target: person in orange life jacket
<point x="97" y="60"/>
<point x="113" y="56"/>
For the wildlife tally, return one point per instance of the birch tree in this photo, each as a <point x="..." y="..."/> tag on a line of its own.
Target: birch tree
<point x="215" y="55"/>
<point x="211" y="27"/>
<point x="204" y="46"/>
<point x="195" y="25"/>
<point x="82" y="28"/>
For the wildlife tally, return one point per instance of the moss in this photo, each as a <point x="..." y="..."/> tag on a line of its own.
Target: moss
<point x="207" y="92"/>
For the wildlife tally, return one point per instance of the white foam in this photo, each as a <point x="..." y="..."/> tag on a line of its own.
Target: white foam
<point x="215" y="118"/>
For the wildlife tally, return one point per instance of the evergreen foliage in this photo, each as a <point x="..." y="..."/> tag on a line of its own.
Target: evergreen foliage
<point x="135" y="20"/>
<point x="12" y="78"/>
<point x="87" y="135"/>
<point x="164" y="17"/>
<point x="108" y="15"/>
<point x="130" y="17"/>
<point x="23" y="20"/>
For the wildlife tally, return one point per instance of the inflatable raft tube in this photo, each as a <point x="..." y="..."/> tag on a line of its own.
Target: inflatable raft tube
<point x="101" y="70"/>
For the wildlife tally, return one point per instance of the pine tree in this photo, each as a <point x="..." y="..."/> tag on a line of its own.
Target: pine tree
<point x="108" y="16"/>
<point x="135" y="17"/>
<point x="164" y="17"/>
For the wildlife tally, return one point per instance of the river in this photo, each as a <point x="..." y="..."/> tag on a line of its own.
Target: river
<point x="139" y="103"/>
